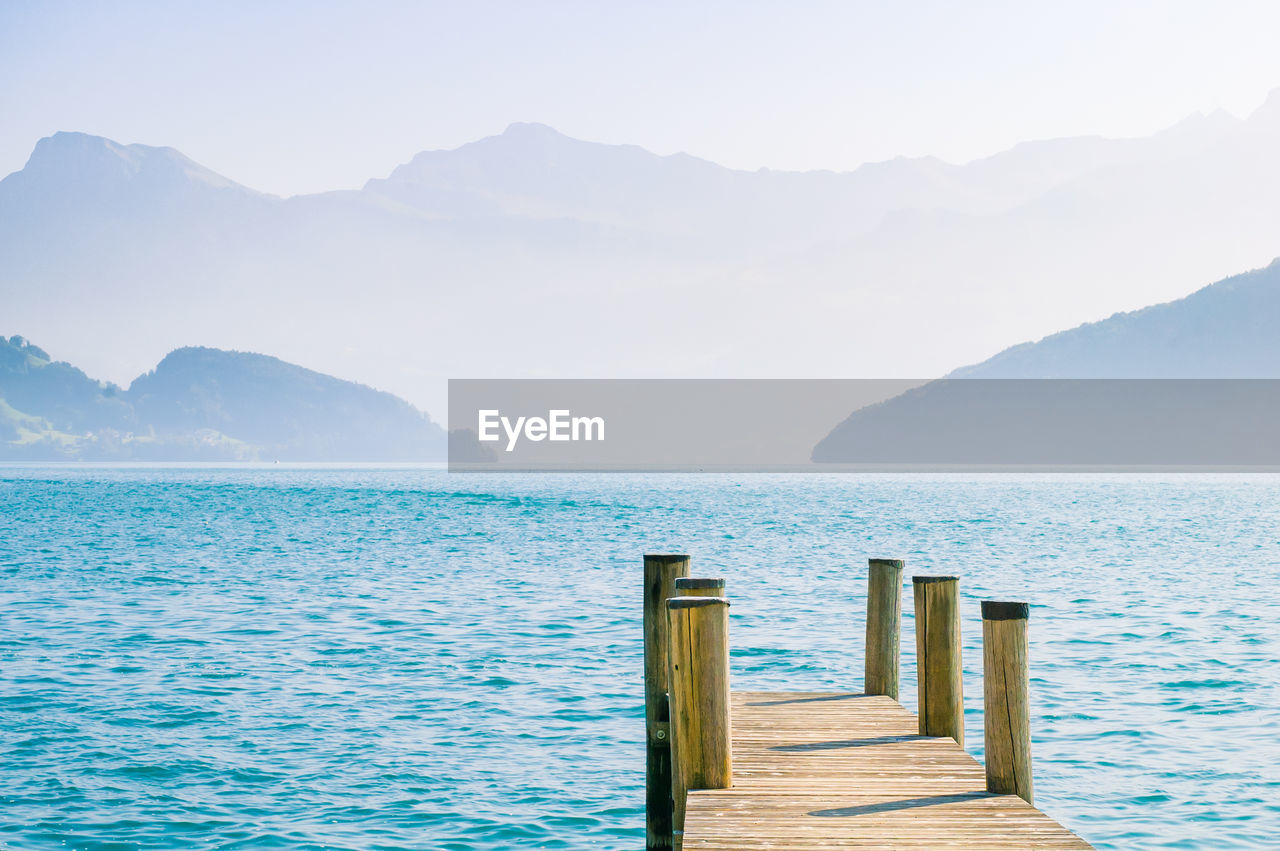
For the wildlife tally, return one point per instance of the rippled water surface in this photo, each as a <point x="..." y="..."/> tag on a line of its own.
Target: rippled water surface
<point x="359" y="658"/>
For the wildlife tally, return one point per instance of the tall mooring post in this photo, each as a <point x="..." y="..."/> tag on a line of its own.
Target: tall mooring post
<point x="701" y="750"/>
<point x="1005" y="687"/>
<point x="940" y="672"/>
<point x="884" y="625"/>
<point x="660" y="574"/>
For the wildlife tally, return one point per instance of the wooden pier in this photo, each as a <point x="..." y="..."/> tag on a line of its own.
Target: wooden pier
<point x="823" y="770"/>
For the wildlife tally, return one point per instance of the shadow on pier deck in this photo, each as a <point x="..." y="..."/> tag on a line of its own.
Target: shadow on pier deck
<point x="829" y="770"/>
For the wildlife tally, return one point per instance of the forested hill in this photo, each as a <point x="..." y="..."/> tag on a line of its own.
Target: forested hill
<point x="1224" y="330"/>
<point x="202" y="404"/>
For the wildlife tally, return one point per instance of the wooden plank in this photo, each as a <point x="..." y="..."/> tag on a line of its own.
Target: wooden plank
<point x="820" y="770"/>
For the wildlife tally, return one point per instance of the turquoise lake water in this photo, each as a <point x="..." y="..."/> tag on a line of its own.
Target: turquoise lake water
<point x="361" y="658"/>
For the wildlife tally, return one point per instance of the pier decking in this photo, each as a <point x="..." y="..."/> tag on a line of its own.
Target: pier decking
<point x="805" y="771"/>
<point x="833" y="770"/>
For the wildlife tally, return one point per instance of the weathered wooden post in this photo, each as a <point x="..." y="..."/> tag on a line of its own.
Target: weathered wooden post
<point x="699" y="586"/>
<point x="660" y="573"/>
<point x="699" y="681"/>
<point x="884" y="623"/>
<point x="1007" y="724"/>
<point x="939" y="669"/>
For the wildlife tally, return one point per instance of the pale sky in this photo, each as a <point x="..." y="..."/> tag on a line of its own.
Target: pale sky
<point x="292" y="97"/>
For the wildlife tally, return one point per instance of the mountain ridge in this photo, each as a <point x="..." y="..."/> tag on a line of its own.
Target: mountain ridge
<point x="116" y="162"/>
<point x="1187" y="383"/>
<point x="202" y="403"/>
<point x="1222" y="330"/>
<point x="530" y="253"/>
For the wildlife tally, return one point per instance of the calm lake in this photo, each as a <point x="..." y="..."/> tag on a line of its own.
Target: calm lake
<point x="271" y="657"/>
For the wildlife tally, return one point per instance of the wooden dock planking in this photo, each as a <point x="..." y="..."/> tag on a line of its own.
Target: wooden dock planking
<point x="829" y="770"/>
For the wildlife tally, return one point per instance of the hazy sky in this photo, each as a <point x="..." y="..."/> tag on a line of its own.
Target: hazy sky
<point x="305" y="96"/>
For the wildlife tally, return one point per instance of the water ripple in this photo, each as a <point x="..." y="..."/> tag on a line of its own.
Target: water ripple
<point x="356" y="658"/>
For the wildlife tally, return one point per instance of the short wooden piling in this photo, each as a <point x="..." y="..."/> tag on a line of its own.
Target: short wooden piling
<point x="1005" y="678"/>
<point x="699" y="586"/>
<point x="939" y="668"/>
<point x="701" y="754"/>
<point x="884" y="624"/>
<point x="660" y="573"/>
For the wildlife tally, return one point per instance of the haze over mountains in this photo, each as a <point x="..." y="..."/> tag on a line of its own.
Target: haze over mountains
<point x="1206" y="405"/>
<point x="1225" y="330"/>
<point x="201" y="404"/>
<point x="530" y="254"/>
<point x="207" y="404"/>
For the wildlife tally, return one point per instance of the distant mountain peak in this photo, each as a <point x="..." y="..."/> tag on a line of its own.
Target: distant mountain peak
<point x="54" y="154"/>
<point x="69" y="157"/>
<point x="1269" y="112"/>
<point x="538" y="165"/>
<point x="1201" y="122"/>
<point x="526" y="137"/>
<point x="532" y="130"/>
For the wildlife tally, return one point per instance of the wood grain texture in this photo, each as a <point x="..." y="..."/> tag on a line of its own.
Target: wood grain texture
<point x="700" y="586"/>
<point x="822" y="770"/>
<point x="884" y="626"/>
<point x="660" y="573"/>
<point x="701" y="750"/>
<point x="940" y="694"/>
<point x="1006" y="699"/>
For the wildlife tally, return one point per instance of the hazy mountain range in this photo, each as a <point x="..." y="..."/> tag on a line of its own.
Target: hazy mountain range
<point x="1224" y="330"/>
<point x="202" y="404"/>
<point x="1171" y="384"/>
<point x="208" y="404"/>
<point x="1093" y="422"/>
<point x="532" y="254"/>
